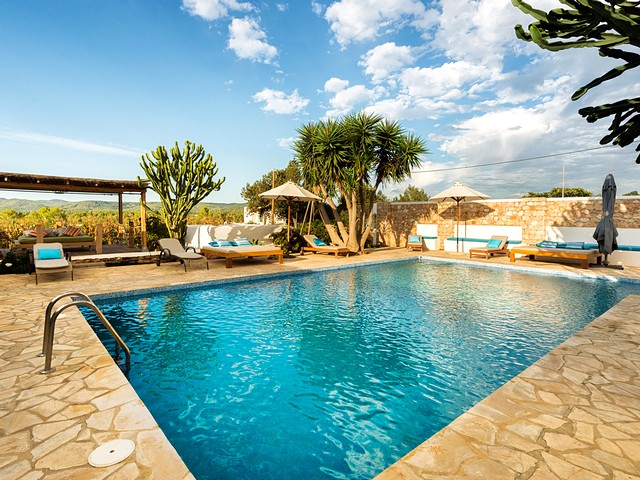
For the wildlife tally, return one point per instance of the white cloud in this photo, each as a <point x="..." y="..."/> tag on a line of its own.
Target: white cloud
<point x="69" y="143"/>
<point x="286" y="143"/>
<point x="346" y="98"/>
<point x="214" y="9"/>
<point x="404" y="107"/>
<point x="335" y="84"/>
<point x="359" y="20"/>
<point x="387" y="58"/>
<point x="247" y="41"/>
<point x="282" y="7"/>
<point x="276" y="101"/>
<point x="317" y="7"/>
<point x="438" y="81"/>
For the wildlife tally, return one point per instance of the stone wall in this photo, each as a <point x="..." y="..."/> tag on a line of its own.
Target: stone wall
<point x="397" y="220"/>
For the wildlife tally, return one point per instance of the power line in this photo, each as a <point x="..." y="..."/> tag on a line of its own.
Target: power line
<point x="511" y="161"/>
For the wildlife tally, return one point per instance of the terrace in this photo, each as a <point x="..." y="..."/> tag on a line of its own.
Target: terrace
<point x="573" y="414"/>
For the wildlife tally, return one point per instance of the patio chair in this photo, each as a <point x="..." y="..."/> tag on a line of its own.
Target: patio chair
<point x="172" y="249"/>
<point x="316" y="245"/>
<point x="415" y="242"/>
<point x="50" y="258"/>
<point x="496" y="245"/>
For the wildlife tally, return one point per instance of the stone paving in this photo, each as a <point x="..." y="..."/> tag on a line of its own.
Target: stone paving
<point x="574" y="414"/>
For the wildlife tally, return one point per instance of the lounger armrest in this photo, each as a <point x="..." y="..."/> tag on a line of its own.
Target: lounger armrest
<point x="165" y="254"/>
<point x="190" y="248"/>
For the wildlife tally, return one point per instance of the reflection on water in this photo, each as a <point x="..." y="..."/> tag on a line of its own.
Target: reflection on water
<point x="337" y="375"/>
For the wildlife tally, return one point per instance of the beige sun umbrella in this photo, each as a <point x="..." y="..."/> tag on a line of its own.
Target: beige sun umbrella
<point x="459" y="192"/>
<point x="290" y="192"/>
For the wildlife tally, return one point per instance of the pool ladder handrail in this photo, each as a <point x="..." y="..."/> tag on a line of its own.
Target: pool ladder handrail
<point x="50" y="324"/>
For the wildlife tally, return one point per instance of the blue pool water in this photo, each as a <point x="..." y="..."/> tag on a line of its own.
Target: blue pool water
<point x="338" y="374"/>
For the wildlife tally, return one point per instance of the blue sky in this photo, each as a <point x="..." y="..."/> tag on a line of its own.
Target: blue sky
<point x="87" y="86"/>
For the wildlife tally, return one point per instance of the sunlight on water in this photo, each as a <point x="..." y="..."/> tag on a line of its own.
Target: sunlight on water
<point x="337" y="375"/>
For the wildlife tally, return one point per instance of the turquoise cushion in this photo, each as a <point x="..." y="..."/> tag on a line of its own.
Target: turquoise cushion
<point x="319" y="243"/>
<point x="49" y="254"/>
<point x="495" y="243"/>
<point x="223" y="243"/>
<point x="415" y="239"/>
<point x="547" y="244"/>
<point x="575" y="245"/>
<point x="242" y="242"/>
<point x="214" y="244"/>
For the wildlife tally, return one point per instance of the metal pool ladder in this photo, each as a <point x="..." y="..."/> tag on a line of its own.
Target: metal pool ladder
<point x="50" y="325"/>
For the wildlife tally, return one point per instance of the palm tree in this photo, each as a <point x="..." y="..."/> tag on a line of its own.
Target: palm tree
<point x="348" y="160"/>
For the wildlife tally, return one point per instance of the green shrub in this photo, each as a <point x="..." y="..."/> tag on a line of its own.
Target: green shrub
<point x="295" y="243"/>
<point x="14" y="263"/>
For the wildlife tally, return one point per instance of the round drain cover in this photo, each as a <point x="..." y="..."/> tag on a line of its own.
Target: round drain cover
<point x="111" y="452"/>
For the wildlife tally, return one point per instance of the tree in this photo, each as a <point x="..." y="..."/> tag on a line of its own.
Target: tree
<point x="556" y="192"/>
<point x="256" y="204"/>
<point x="603" y="25"/>
<point x="181" y="182"/>
<point x="412" y="194"/>
<point x="348" y="160"/>
<point x="633" y="193"/>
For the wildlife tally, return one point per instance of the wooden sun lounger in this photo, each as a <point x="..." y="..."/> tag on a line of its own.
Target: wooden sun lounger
<point x="585" y="256"/>
<point x="229" y="253"/>
<point x="312" y="247"/>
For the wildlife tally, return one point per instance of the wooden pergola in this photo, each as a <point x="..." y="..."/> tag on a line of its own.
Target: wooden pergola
<point x="47" y="183"/>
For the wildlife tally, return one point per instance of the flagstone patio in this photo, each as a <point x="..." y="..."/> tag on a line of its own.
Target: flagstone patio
<point x="573" y="414"/>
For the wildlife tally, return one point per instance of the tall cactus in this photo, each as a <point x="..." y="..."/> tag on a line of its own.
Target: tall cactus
<point x="181" y="182"/>
<point x="605" y="25"/>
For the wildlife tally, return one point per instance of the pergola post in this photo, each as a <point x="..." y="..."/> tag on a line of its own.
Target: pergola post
<point x="143" y="218"/>
<point x="120" y="219"/>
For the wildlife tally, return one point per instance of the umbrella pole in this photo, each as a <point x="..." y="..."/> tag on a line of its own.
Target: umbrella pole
<point x="289" y="223"/>
<point x="458" y="228"/>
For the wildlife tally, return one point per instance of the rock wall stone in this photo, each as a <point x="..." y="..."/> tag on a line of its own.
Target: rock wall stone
<point x="395" y="221"/>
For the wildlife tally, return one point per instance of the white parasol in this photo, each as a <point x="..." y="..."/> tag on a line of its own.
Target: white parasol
<point x="458" y="193"/>
<point x="290" y="192"/>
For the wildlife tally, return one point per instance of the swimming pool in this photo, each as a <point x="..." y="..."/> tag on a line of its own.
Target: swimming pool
<point x="339" y="374"/>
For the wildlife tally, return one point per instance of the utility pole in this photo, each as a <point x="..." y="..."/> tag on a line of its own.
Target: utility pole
<point x="562" y="178"/>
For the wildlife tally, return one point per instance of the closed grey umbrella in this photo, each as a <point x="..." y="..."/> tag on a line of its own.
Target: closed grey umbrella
<point x="606" y="231"/>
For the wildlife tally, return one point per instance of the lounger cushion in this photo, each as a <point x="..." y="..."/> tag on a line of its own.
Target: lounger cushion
<point x="223" y="243"/>
<point x="51" y="264"/>
<point x="415" y="239"/>
<point x="242" y="242"/>
<point x="49" y="254"/>
<point x="495" y="243"/>
<point x="547" y="244"/>
<point x="319" y="243"/>
<point x="214" y="244"/>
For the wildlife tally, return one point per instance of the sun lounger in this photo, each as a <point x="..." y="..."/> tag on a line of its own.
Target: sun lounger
<point x="246" y="251"/>
<point x="415" y="242"/>
<point x="585" y="256"/>
<point x="171" y="248"/>
<point x="50" y="258"/>
<point x="497" y="245"/>
<point x="316" y="245"/>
